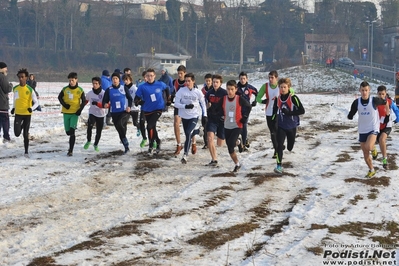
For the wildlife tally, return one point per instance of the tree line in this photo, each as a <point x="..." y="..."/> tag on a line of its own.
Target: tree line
<point x="66" y="34"/>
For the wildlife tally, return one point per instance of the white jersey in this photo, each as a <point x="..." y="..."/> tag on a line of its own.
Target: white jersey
<point x="132" y="91"/>
<point x="94" y="109"/>
<point x="194" y="96"/>
<point x="272" y="95"/>
<point x="368" y="117"/>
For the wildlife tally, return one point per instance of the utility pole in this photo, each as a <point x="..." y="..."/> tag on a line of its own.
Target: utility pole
<point x="370" y="22"/>
<point x="242" y="43"/>
<point x="196" y="34"/>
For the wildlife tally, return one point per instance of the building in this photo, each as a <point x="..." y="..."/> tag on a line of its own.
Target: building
<point x="318" y="47"/>
<point x="169" y="62"/>
<point x="391" y="45"/>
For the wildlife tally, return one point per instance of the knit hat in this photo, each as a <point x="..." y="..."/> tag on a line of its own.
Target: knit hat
<point x="2" y="65"/>
<point x="118" y="71"/>
<point x="105" y="73"/>
<point x="115" y="74"/>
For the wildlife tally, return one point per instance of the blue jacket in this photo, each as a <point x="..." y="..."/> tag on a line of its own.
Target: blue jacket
<point x="168" y="80"/>
<point x="119" y="98"/>
<point x="153" y="95"/>
<point x="105" y="82"/>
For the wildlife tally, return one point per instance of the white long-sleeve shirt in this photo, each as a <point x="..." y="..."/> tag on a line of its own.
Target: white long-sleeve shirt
<point x="193" y="96"/>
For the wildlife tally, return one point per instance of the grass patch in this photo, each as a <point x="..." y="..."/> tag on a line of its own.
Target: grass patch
<point x="342" y="211"/>
<point x="85" y="245"/>
<point x="215" y="200"/>
<point x="392" y="162"/>
<point x="374" y="182"/>
<point x="343" y="157"/>
<point x="261" y="211"/>
<point x="385" y="233"/>
<point x="355" y="199"/>
<point x="255" y="248"/>
<point x="226" y="174"/>
<point x="213" y="239"/>
<point x="277" y="228"/>
<point x="42" y="261"/>
<point x="315" y="250"/>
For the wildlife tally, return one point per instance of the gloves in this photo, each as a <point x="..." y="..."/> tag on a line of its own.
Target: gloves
<point x="265" y="101"/>
<point x="286" y="111"/>
<point x="253" y="104"/>
<point x="30" y="110"/>
<point x="94" y="103"/>
<point x="244" y="120"/>
<point x="189" y="106"/>
<point x="67" y="106"/>
<point x="204" y="120"/>
<point x="78" y="112"/>
<point x="350" y="117"/>
<point x="12" y="111"/>
<point x="386" y="119"/>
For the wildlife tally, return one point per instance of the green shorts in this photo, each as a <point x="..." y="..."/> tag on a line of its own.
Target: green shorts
<point x="70" y="121"/>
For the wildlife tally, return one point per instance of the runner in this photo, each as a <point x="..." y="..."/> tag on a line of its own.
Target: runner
<point x="207" y="86"/>
<point x="188" y="100"/>
<point x="236" y="111"/>
<point x="73" y="100"/>
<point x="177" y="84"/>
<point x="118" y="99"/>
<point x="246" y="90"/>
<point x="96" y="112"/>
<point x="215" y="124"/>
<point x="24" y="96"/>
<point x="286" y="111"/>
<point x="151" y="94"/>
<point x="368" y="122"/>
<point x="384" y="112"/>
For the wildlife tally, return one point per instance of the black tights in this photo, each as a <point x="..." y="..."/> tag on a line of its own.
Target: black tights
<point x="22" y="123"/>
<point x="99" y="122"/>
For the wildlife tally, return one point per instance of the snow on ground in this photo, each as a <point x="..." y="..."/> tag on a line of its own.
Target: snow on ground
<point x="106" y="208"/>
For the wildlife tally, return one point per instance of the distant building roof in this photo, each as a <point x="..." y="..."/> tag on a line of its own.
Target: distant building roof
<point x="164" y="56"/>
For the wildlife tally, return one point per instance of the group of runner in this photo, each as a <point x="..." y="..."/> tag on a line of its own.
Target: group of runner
<point x="222" y="112"/>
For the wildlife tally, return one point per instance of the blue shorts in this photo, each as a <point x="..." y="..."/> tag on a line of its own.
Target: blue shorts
<point x="363" y="137"/>
<point x="216" y="127"/>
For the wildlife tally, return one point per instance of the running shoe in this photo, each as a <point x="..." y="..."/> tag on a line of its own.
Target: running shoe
<point x="193" y="148"/>
<point x="236" y="168"/>
<point x="143" y="143"/>
<point x="69" y="153"/>
<point x="374" y="153"/>
<point x="96" y="148"/>
<point x="126" y="150"/>
<point x="184" y="159"/>
<point x="240" y="146"/>
<point x="138" y="133"/>
<point x="370" y="173"/>
<point x="87" y="145"/>
<point x="384" y="163"/>
<point x="274" y="155"/>
<point x="150" y="151"/>
<point x="178" y="149"/>
<point x="205" y="147"/>
<point x="26" y="155"/>
<point x="247" y="143"/>
<point x="213" y="163"/>
<point x="157" y="147"/>
<point x="278" y="169"/>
